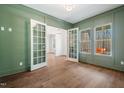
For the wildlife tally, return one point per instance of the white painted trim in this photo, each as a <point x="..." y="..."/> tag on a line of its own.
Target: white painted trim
<point x="33" y="67"/>
<point x="46" y="45"/>
<point x="38" y="66"/>
<point x="103" y="25"/>
<point x="32" y="20"/>
<point x="85" y="53"/>
<point x="95" y="40"/>
<point x="85" y="30"/>
<point x="72" y="59"/>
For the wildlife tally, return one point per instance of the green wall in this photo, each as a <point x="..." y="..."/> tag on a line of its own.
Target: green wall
<point x="116" y="17"/>
<point x="15" y="45"/>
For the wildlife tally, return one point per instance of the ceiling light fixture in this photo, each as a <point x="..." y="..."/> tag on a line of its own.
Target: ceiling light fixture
<point x="69" y="7"/>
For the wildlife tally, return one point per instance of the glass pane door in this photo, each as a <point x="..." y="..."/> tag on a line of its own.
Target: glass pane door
<point x="73" y="44"/>
<point x="38" y="43"/>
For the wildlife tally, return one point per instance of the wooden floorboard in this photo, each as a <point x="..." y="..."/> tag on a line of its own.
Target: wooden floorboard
<point x="65" y="74"/>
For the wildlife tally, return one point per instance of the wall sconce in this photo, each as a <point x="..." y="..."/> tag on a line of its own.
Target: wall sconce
<point x="2" y="28"/>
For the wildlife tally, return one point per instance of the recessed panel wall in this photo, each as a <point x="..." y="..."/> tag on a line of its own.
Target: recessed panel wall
<point x="115" y="18"/>
<point x="12" y="44"/>
<point x="119" y="37"/>
<point x="15" y="39"/>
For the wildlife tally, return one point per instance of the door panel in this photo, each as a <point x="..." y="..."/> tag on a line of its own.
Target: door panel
<point x="38" y="43"/>
<point x="73" y="44"/>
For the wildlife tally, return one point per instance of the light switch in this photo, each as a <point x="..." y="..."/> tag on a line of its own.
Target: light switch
<point x="2" y="28"/>
<point x="10" y="29"/>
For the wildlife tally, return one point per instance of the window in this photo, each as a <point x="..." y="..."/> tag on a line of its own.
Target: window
<point x="85" y="46"/>
<point x="103" y="40"/>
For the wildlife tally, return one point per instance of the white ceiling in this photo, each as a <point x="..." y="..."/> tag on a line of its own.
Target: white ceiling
<point x="80" y="12"/>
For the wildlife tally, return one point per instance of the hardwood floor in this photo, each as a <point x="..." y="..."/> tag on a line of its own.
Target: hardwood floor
<point x="64" y="74"/>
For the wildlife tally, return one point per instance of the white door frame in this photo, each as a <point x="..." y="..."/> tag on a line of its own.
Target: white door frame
<point x="51" y="42"/>
<point x="68" y="58"/>
<point x="33" y="67"/>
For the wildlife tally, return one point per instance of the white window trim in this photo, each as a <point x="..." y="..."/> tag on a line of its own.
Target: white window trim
<point x="84" y="30"/>
<point x="95" y="40"/>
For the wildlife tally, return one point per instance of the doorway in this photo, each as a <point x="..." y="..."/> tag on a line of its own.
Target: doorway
<point x="52" y="45"/>
<point x="56" y="41"/>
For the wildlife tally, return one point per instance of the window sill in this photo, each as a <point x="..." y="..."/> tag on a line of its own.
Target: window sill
<point x="103" y="55"/>
<point x="85" y="53"/>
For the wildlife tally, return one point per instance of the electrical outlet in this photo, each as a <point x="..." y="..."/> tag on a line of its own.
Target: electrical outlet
<point x="122" y="62"/>
<point x="20" y="63"/>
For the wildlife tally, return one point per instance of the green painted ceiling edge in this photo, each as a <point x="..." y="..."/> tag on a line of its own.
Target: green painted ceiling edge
<point x="80" y="20"/>
<point x="39" y="13"/>
<point x="44" y="14"/>
<point x="90" y="18"/>
<point x="23" y="8"/>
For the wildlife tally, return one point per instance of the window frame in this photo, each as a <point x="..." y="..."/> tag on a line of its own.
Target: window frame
<point x="98" y="54"/>
<point x="85" y="30"/>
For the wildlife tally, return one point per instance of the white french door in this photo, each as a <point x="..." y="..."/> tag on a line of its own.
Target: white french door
<point x="38" y="43"/>
<point x="73" y="44"/>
